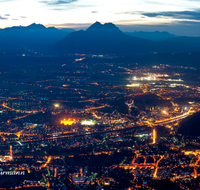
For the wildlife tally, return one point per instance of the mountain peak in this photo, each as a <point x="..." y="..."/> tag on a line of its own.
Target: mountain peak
<point x="110" y="25"/>
<point x="36" y="26"/>
<point x="97" y="26"/>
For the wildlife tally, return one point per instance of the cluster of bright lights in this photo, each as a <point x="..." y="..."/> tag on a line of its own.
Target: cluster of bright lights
<point x="175" y="85"/>
<point x="191" y="102"/>
<point x="178" y="80"/>
<point x="145" y="78"/>
<point x="196" y="152"/>
<point x="80" y="59"/>
<point x="150" y="77"/>
<point x="156" y="67"/>
<point x="67" y="122"/>
<point x="164" y="112"/>
<point x="56" y="105"/>
<point x="133" y="85"/>
<point x="65" y="85"/>
<point x="142" y="135"/>
<point x="155" y="77"/>
<point x="158" y="75"/>
<point x="88" y="122"/>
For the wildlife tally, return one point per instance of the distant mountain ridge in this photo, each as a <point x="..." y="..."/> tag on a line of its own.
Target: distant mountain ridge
<point x="154" y="36"/>
<point x="109" y="39"/>
<point x="34" y="37"/>
<point x="31" y="26"/>
<point x="97" y="39"/>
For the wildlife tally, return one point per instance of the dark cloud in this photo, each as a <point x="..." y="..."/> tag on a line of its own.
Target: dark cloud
<point x="176" y="14"/>
<point x="3" y="18"/>
<point x="58" y="2"/>
<point x="23" y="17"/>
<point x="94" y="11"/>
<point x="7" y="15"/>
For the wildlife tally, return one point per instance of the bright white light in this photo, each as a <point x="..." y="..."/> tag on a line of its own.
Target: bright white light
<point x="133" y="85"/>
<point x="145" y="78"/>
<point x="56" y="105"/>
<point x="191" y="102"/>
<point x="87" y="122"/>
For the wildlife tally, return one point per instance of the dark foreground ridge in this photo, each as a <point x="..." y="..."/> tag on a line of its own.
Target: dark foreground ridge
<point x="190" y="126"/>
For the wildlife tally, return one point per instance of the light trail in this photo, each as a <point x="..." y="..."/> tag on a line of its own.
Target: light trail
<point x="47" y="162"/>
<point x="90" y="100"/>
<point x="136" y="156"/>
<point x="94" y="108"/>
<point x="195" y="164"/>
<point x="156" y="170"/>
<point x="96" y="116"/>
<point x="20" y="117"/>
<point x="176" y="118"/>
<point x="55" y="172"/>
<point x="5" y="106"/>
<point x="167" y="120"/>
<point x="154" y="136"/>
<point x="4" y="139"/>
<point x="145" y="160"/>
<point x="17" y="134"/>
<point x="11" y="153"/>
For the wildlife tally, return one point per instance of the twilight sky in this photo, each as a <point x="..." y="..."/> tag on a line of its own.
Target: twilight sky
<point x="181" y="17"/>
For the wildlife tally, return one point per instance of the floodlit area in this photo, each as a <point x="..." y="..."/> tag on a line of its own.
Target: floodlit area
<point x="88" y="122"/>
<point x="67" y="121"/>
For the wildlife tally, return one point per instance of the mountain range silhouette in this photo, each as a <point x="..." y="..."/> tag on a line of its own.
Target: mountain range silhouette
<point x="97" y="39"/>
<point x="109" y="39"/>
<point x="33" y="37"/>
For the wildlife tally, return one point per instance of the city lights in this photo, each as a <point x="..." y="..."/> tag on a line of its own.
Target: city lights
<point x="154" y="136"/>
<point x="150" y="78"/>
<point x="56" y="105"/>
<point x="123" y="119"/>
<point x="88" y="122"/>
<point x="164" y="112"/>
<point x="66" y="85"/>
<point x="133" y="85"/>
<point x="67" y="122"/>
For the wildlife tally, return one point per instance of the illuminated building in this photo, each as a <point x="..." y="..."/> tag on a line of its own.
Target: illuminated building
<point x="145" y="78"/>
<point x="65" y="85"/>
<point x="154" y="136"/>
<point x="133" y="85"/>
<point x="142" y="135"/>
<point x="88" y="122"/>
<point x="56" y="105"/>
<point x="11" y="155"/>
<point x="55" y="172"/>
<point x="81" y="172"/>
<point x="67" y="122"/>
